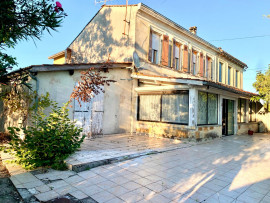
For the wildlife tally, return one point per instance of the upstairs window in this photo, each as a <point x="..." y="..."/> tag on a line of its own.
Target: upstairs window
<point x="194" y="62"/>
<point x="236" y="78"/>
<point x="209" y="73"/>
<point x="154" y="47"/>
<point x="229" y="76"/>
<point x="206" y="67"/>
<point x="220" y="72"/>
<point x="176" y="58"/>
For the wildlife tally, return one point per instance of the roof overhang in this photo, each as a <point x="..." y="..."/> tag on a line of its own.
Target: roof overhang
<point x="61" y="53"/>
<point x="188" y="82"/>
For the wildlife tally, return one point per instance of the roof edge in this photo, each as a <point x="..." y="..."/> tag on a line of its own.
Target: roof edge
<point x="193" y="36"/>
<point x="57" y="55"/>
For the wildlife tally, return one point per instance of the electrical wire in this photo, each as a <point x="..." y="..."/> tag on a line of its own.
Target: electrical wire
<point x="250" y="37"/>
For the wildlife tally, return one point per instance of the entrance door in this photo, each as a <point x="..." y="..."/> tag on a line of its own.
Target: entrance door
<point x="89" y="115"/>
<point x="228" y="117"/>
<point x="97" y="114"/>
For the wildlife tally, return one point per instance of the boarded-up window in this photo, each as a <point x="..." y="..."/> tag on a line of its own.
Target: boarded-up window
<point x="150" y="107"/>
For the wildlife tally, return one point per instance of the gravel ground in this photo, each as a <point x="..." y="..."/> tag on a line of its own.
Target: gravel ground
<point x="8" y="193"/>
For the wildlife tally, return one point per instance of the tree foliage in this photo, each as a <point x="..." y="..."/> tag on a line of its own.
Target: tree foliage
<point x="262" y="86"/>
<point x="24" y="20"/>
<point x="91" y="84"/>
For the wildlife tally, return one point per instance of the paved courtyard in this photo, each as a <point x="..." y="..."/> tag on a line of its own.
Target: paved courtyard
<point x="120" y="146"/>
<point x="231" y="169"/>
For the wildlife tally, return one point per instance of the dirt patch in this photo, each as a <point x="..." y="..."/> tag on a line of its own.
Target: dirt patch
<point x="8" y="192"/>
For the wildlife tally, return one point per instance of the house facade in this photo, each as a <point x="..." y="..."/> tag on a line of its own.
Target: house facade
<point x="180" y="85"/>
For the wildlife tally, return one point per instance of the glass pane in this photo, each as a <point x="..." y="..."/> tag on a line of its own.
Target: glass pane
<point x="175" y="108"/>
<point x="149" y="107"/>
<point x="212" y="108"/>
<point x="220" y="72"/>
<point x="230" y="117"/>
<point x="243" y="110"/>
<point x="239" y="111"/>
<point x="202" y="106"/>
<point x="155" y="41"/>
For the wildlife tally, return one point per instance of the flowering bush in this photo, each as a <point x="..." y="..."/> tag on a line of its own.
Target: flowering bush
<point x="48" y="142"/>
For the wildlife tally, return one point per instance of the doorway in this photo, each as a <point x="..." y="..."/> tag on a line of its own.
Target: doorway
<point x="228" y="117"/>
<point x="89" y="115"/>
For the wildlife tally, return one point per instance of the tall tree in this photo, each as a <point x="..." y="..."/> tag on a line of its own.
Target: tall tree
<point x="262" y="86"/>
<point x="24" y="20"/>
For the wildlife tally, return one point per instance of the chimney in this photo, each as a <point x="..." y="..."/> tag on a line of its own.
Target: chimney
<point x="193" y="30"/>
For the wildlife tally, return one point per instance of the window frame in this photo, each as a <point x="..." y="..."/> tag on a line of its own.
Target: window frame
<point x="175" y="59"/>
<point x="158" y="51"/>
<point x="160" y="117"/>
<point x="239" y="110"/>
<point x="220" y="72"/>
<point x="207" y="109"/>
<point x="250" y="111"/>
<point x="195" y="65"/>
<point x="229" y="75"/>
<point x="236" y="78"/>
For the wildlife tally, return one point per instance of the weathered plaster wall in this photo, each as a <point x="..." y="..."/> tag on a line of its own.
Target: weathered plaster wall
<point x="145" y="22"/>
<point x="117" y="97"/>
<point x="103" y="37"/>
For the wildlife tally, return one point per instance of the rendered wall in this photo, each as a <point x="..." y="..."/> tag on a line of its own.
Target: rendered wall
<point x="103" y="37"/>
<point x="117" y="97"/>
<point x="145" y="22"/>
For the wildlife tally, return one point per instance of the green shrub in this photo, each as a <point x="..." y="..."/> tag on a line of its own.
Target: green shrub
<point x="48" y="141"/>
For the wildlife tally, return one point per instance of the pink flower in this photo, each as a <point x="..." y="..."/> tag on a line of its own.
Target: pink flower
<point x="58" y="7"/>
<point x="58" y="4"/>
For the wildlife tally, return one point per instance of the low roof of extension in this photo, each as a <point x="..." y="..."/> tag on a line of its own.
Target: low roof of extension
<point x="217" y="85"/>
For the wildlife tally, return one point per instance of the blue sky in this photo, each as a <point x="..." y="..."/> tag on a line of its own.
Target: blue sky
<point x="215" y="19"/>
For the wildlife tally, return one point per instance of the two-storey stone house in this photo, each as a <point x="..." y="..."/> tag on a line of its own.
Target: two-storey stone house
<point x="184" y="86"/>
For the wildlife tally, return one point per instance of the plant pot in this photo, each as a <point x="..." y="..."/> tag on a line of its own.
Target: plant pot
<point x="250" y="132"/>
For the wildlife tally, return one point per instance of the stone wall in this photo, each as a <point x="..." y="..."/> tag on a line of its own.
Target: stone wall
<point x="177" y="131"/>
<point x="244" y="127"/>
